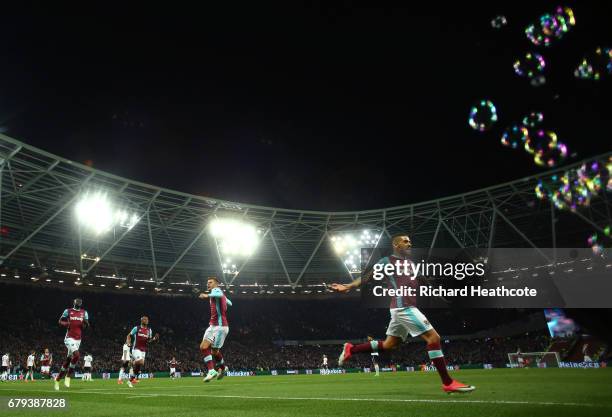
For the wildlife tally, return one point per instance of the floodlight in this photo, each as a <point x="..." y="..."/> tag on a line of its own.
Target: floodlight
<point x="94" y="211"/>
<point x="348" y="247"/>
<point x="97" y="213"/>
<point x="234" y="239"/>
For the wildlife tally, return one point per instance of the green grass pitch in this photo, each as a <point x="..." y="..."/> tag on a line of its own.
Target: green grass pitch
<point x="500" y="392"/>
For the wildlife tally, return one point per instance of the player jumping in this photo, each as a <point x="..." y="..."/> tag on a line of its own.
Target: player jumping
<point x="405" y="319"/>
<point x="142" y="336"/>
<point x="125" y="364"/>
<point x="31" y="363"/>
<point x="46" y="360"/>
<point x="217" y="331"/>
<point x="75" y="320"/>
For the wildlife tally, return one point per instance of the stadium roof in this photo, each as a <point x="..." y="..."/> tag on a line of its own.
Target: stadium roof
<point x="171" y="242"/>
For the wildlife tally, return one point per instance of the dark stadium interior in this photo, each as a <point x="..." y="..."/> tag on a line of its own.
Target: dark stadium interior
<point x="294" y="97"/>
<point x="237" y="173"/>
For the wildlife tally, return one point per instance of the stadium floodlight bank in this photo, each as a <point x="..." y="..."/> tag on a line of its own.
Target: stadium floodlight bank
<point x="160" y="235"/>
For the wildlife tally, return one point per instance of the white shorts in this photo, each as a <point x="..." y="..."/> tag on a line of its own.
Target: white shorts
<point x="172" y="370"/>
<point x="406" y="321"/>
<point x="138" y="354"/>
<point x="45" y="369"/>
<point x="216" y="335"/>
<point x="72" y="345"/>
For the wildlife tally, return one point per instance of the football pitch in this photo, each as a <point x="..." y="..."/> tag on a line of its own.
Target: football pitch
<point x="500" y="392"/>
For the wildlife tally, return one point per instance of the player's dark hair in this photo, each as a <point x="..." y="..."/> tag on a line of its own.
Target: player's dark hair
<point x="215" y="279"/>
<point x="397" y="237"/>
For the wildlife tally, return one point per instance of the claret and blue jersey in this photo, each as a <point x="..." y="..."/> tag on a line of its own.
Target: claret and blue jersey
<point x="76" y="319"/>
<point x="218" y="307"/>
<point x="141" y="336"/>
<point x="397" y="280"/>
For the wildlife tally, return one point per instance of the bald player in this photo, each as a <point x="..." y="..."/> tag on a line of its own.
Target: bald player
<point x="142" y="336"/>
<point x="75" y="320"/>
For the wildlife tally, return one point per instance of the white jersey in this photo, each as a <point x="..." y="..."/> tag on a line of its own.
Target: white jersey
<point x="88" y="361"/>
<point x="126" y="353"/>
<point x="30" y="360"/>
<point x="5" y="360"/>
<point x="324" y="360"/>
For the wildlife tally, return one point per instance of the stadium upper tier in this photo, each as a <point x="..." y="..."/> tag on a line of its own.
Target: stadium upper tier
<point x="152" y="234"/>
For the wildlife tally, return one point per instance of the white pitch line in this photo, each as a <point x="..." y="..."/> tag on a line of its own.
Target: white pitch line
<point x="142" y="396"/>
<point x="199" y="386"/>
<point x="133" y="394"/>
<point x="224" y="384"/>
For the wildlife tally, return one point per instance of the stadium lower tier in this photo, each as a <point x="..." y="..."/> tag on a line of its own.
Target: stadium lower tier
<point x="259" y="330"/>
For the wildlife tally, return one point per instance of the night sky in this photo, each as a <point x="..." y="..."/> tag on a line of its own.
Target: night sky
<point x="302" y="106"/>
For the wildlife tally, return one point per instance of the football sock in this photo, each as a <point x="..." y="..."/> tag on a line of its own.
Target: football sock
<point x="373" y="346"/>
<point x="437" y="357"/>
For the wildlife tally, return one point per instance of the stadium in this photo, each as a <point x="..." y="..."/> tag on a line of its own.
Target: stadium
<point x="307" y="331"/>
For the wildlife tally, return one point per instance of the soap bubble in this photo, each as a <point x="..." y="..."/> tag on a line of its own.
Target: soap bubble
<point x="515" y="136"/>
<point x="531" y="65"/>
<point x="540" y="140"/>
<point x="483" y="115"/>
<point x="595" y="65"/>
<point x="533" y="119"/>
<point x="498" y="22"/>
<point x="552" y="156"/>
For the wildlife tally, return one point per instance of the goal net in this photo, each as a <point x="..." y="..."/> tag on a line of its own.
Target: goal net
<point x="534" y="359"/>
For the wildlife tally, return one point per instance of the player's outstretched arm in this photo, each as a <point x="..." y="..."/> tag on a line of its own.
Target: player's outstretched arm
<point x="128" y="339"/>
<point x="216" y="293"/>
<point x="86" y="320"/>
<point x="63" y="320"/>
<point x="354" y="284"/>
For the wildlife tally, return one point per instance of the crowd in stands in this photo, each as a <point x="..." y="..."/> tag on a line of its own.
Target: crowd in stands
<point x="259" y="330"/>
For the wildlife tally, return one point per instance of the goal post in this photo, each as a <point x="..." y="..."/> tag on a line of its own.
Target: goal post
<point x="534" y="359"/>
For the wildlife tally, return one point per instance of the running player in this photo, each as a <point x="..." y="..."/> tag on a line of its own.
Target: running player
<point x="125" y="364"/>
<point x="142" y="335"/>
<point x="374" y="358"/>
<point x="46" y="360"/>
<point x="217" y="331"/>
<point x="87" y="367"/>
<point x="405" y="319"/>
<point x="173" y="364"/>
<point x="30" y="363"/>
<point x="75" y="320"/>
<point x="6" y="367"/>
